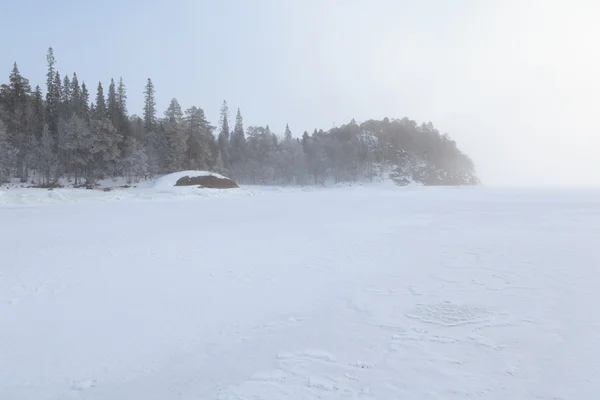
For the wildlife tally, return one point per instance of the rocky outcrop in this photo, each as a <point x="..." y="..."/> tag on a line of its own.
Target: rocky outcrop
<point x="207" y="182"/>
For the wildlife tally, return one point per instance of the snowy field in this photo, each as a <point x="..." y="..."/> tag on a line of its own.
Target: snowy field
<point x="348" y="293"/>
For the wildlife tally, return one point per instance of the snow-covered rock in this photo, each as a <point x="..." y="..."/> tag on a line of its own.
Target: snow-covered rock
<point x="194" y="178"/>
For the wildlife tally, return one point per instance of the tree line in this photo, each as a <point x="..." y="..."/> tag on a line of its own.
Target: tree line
<point x="64" y="132"/>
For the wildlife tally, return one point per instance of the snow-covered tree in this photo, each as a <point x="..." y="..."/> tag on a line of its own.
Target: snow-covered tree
<point x="16" y="99"/>
<point x="65" y="134"/>
<point x="105" y="150"/>
<point x="100" y="110"/>
<point x="287" y="136"/>
<point x="199" y="140"/>
<point x="37" y="113"/>
<point x="156" y="149"/>
<point x="46" y="160"/>
<point x="75" y="140"/>
<point x="149" y="107"/>
<point x="224" y="135"/>
<point x="52" y="94"/>
<point x="86" y="112"/>
<point x="135" y="160"/>
<point x="67" y="105"/>
<point x="124" y="127"/>
<point x="112" y="105"/>
<point x="177" y="137"/>
<point x="8" y="154"/>
<point x="237" y="146"/>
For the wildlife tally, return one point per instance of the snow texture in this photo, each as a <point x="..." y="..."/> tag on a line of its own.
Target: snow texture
<point x="345" y="293"/>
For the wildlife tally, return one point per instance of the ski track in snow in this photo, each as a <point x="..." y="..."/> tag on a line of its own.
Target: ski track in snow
<point x="355" y="293"/>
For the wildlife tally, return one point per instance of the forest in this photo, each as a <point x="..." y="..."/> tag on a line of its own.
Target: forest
<point x="63" y="131"/>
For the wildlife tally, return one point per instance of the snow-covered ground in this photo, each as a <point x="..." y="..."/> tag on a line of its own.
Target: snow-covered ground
<point x="370" y="292"/>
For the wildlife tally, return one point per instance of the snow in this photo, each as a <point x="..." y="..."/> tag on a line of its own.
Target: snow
<point x="363" y="292"/>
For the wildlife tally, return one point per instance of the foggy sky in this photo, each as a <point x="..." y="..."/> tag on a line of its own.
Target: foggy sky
<point x="515" y="83"/>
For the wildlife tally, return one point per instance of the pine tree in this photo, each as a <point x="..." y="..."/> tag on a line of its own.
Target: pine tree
<point x="149" y="107"/>
<point x="224" y="135"/>
<point x="174" y="112"/>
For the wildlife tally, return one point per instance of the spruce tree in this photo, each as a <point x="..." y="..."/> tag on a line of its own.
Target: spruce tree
<point x="18" y="92"/>
<point x="75" y="140"/>
<point x="112" y="105"/>
<point x="46" y="159"/>
<point x="237" y="147"/>
<point x="86" y="111"/>
<point x="66" y="99"/>
<point x="135" y="160"/>
<point x="305" y="142"/>
<point x="156" y="148"/>
<point x="123" y="125"/>
<point x="224" y="135"/>
<point x="122" y="97"/>
<point x="177" y="138"/>
<point x="288" y="133"/>
<point x="100" y="108"/>
<point x="19" y="124"/>
<point x="76" y="99"/>
<point x="57" y="95"/>
<point x="38" y="112"/>
<point x="105" y="149"/>
<point x="8" y="155"/>
<point x="149" y="107"/>
<point x="52" y="111"/>
<point x="200" y="140"/>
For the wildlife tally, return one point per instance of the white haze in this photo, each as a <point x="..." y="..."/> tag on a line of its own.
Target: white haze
<point x="516" y="83"/>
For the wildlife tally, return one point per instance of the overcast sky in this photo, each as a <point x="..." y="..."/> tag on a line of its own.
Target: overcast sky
<point x="515" y="83"/>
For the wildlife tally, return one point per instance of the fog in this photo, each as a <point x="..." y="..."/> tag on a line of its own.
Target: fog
<point x="514" y="83"/>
